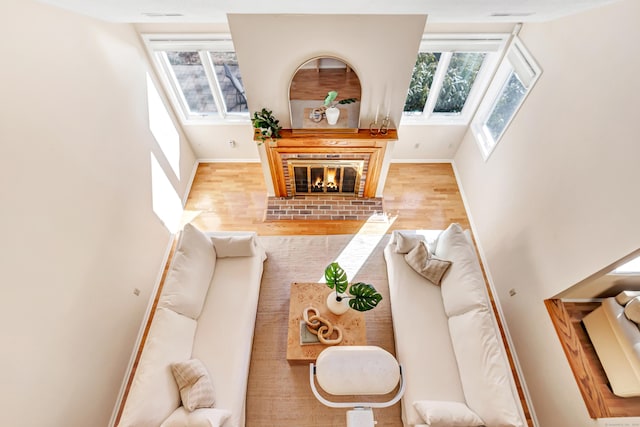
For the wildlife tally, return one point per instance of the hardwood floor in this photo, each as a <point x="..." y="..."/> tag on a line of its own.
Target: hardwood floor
<point x="233" y="197"/>
<point x="590" y="376"/>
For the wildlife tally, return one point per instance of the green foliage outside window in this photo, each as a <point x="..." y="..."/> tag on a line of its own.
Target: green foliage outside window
<point x="462" y="72"/>
<point x="421" y="80"/>
<point x="511" y="96"/>
<point x="456" y="86"/>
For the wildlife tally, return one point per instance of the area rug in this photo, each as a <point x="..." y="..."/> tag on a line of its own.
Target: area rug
<point x="278" y="393"/>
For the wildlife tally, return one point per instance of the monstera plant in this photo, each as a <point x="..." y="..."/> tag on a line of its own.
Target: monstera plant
<point x="361" y="296"/>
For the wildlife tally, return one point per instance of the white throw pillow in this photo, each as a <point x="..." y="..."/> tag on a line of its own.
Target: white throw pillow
<point x="463" y="286"/>
<point x="405" y="241"/>
<point x="203" y="417"/>
<point x="190" y="272"/>
<point x="447" y="414"/>
<point x="196" y="389"/>
<point x="234" y="246"/>
<point x="632" y="310"/>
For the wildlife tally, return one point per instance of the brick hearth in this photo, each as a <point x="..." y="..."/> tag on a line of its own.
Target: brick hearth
<point x="313" y="207"/>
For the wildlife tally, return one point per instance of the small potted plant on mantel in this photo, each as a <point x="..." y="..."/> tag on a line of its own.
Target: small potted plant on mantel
<point x="362" y="296"/>
<point x="266" y="125"/>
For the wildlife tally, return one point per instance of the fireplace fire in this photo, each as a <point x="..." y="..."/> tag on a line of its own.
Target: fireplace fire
<point x="325" y="176"/>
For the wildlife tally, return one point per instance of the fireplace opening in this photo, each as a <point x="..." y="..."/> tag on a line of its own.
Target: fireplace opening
<point x="326" y="176"/>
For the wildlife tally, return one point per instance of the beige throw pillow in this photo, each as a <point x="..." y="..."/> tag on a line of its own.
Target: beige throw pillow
<point x="196" y="389"/>
<point x="426" y="265"/>
<point x="632" y="310"/>
<point x="234" y="246"/>
<point x="405" y="242"/>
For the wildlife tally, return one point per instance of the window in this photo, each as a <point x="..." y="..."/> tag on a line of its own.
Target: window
<point x="514" y="79"/>
<point x="201" y="75"/>
<point x="449" y="76"/>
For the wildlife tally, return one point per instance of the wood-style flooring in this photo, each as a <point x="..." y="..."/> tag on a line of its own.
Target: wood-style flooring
<point x="587" y="370"/>
<point x="311" y="84"/>
<point x="233" y="197"/>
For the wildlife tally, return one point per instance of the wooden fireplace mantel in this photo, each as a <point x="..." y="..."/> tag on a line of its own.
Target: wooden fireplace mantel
<point x="326" y="143"/>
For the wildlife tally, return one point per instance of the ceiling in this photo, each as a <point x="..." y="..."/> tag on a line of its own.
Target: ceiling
<point x="214" y="11"/>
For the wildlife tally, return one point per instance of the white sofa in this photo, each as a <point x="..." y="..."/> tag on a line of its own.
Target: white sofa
<point x="447" y="340"/>
<point x="616" y="340"/>
<point x="206" y="311"/>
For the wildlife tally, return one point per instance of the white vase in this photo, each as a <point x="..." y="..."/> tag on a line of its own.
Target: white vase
<point x="335" y="306"/>
<point x="332" y="114"/>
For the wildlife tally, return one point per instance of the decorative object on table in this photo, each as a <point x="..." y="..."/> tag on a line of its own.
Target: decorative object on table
<point x="266" y="125"/>
<point x="362" y="296"/>
<point x="321" y="327"/>
<point x="330" y="108"/>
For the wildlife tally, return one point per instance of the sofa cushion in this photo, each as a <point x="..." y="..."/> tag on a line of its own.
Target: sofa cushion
<point x="632" y="310"/>
<point x="189" y="275"/>
<point x="234" y="246"/>
<point x="484" y="370"/>
<point x="428" y="363"/>
<point x="436" y="413"/>
<point x="426" y="265"/>
<point x="625" y="296"/>
<point x="203" y="417"/>
<point x="196" y="389"/>
<point x="153" y="395"/>
<point x="406" y="241"/>
<point x="224" y="336"/>
<point x="463" y="286"/>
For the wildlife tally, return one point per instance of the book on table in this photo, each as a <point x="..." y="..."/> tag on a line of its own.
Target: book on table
<point x="307" y="337"/>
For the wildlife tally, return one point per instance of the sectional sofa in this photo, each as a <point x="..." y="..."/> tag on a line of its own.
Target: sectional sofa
<point x="614" y="331"/>
<point x="447" y="339"/>
<point x="205" y="321"/>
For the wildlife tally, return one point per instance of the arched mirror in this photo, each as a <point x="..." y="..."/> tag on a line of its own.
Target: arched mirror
<point x="324" y="95"/>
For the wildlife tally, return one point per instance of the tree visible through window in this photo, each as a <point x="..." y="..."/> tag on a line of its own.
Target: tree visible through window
<point x="513" y="81"/>
<point x="512" y="95"/>
<point x="446" y="74"/>
<point x="421" y="81"/>
<point x="460" y="77"/>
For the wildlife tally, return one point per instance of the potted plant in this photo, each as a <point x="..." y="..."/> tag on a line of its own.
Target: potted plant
<point x="265" y="125"/>
<point x="331" y="110"/>
<point x="361" y="296"/>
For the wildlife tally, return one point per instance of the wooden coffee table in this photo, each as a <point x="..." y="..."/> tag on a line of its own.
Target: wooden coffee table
<point x="315" y="294"/>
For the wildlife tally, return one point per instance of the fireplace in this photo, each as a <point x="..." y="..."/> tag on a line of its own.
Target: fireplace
<point x="325" y="177"/>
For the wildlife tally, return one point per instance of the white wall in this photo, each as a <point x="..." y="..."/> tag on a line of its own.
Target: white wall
<point x="293" y="44"/>
<point x="380" y="49"/>
<point x="77" y="225"/>
<point x="557" y="200"/>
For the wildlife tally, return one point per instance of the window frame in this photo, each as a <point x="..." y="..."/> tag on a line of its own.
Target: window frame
<point x="158" y="44"/>
<point x="517" y="60"/>
<point x="493" y="44"/>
